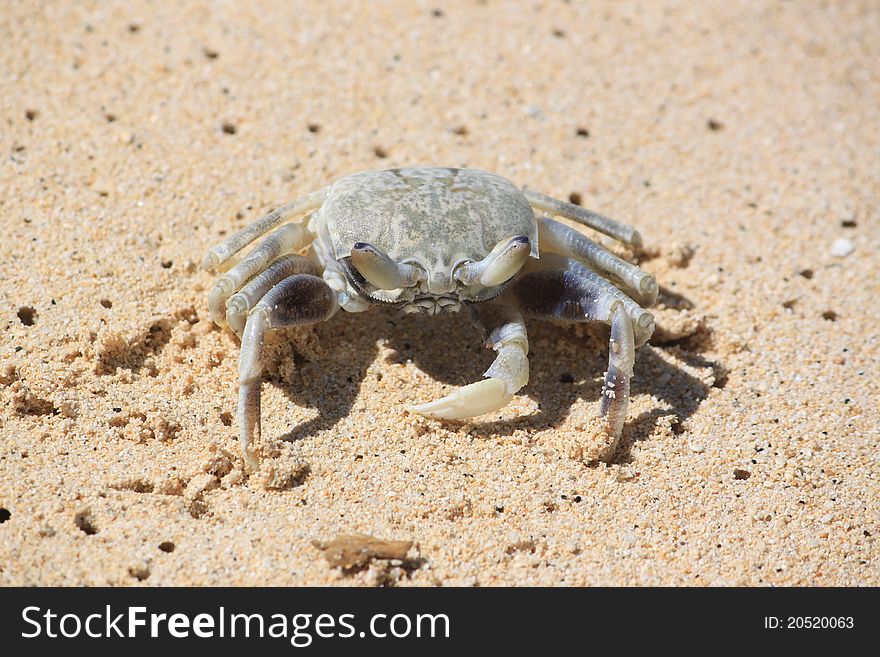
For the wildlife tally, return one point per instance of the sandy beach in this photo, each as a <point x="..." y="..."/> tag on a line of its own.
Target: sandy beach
<point x="741" y="138"/>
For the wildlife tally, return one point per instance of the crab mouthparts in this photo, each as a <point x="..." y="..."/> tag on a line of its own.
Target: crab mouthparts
<point x="433" y="305"/>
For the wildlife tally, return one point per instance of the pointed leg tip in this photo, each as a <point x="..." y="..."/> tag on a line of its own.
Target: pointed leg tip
<point x="210" y="262"/>
<point x="251" y="463"/>
<point x="610" y="450"/>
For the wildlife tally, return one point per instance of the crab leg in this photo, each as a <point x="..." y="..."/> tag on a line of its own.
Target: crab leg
<point x="505" y="332"/>
<point x="240" y="304"/>
<point x="286" y="239"/>
<point x="615" y="390"/>
<point x="215" y="258"/>
<point x="297" y="300"/>
<point x="566" y="295"/>
<point x="559" y="238"/>
<point x="604" y="292"/>
<point x="622" y="232"/>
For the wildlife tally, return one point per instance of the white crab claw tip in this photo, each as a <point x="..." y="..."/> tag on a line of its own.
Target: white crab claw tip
<point x="471" y="400"/>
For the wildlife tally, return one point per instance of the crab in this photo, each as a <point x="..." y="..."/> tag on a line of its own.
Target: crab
<point x="434" y="240"/>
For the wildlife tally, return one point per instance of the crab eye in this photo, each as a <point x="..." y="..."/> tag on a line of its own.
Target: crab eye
<point x="380" y="270"/>
<point x="505" y="260"/>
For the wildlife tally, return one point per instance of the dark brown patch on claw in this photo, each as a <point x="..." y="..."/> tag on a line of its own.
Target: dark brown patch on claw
<point x="300" y="299"/>
<point x="553" y="294"/>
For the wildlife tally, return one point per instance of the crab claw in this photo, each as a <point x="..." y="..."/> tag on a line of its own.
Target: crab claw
<point x="507" y="374"/>
<point x="475" y="399"/>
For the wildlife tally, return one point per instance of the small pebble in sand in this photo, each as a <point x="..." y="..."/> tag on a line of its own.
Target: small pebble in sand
<point x="356" y="550"/>
<point x="842" y="247"/>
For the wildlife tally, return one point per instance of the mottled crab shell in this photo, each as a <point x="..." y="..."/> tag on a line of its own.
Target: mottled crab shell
<point x="435" y="217"/>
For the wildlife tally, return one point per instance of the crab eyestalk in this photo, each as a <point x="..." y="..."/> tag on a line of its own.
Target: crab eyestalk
<point x="500" y="265"/>
<point x="380" y="270"/>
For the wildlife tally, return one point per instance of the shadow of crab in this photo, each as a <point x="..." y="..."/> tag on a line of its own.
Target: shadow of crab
<point x="347" y="348"/>
<point x="567" y="362"/>
<point x="566" y="365"/>
<point x="451" y="352"/>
